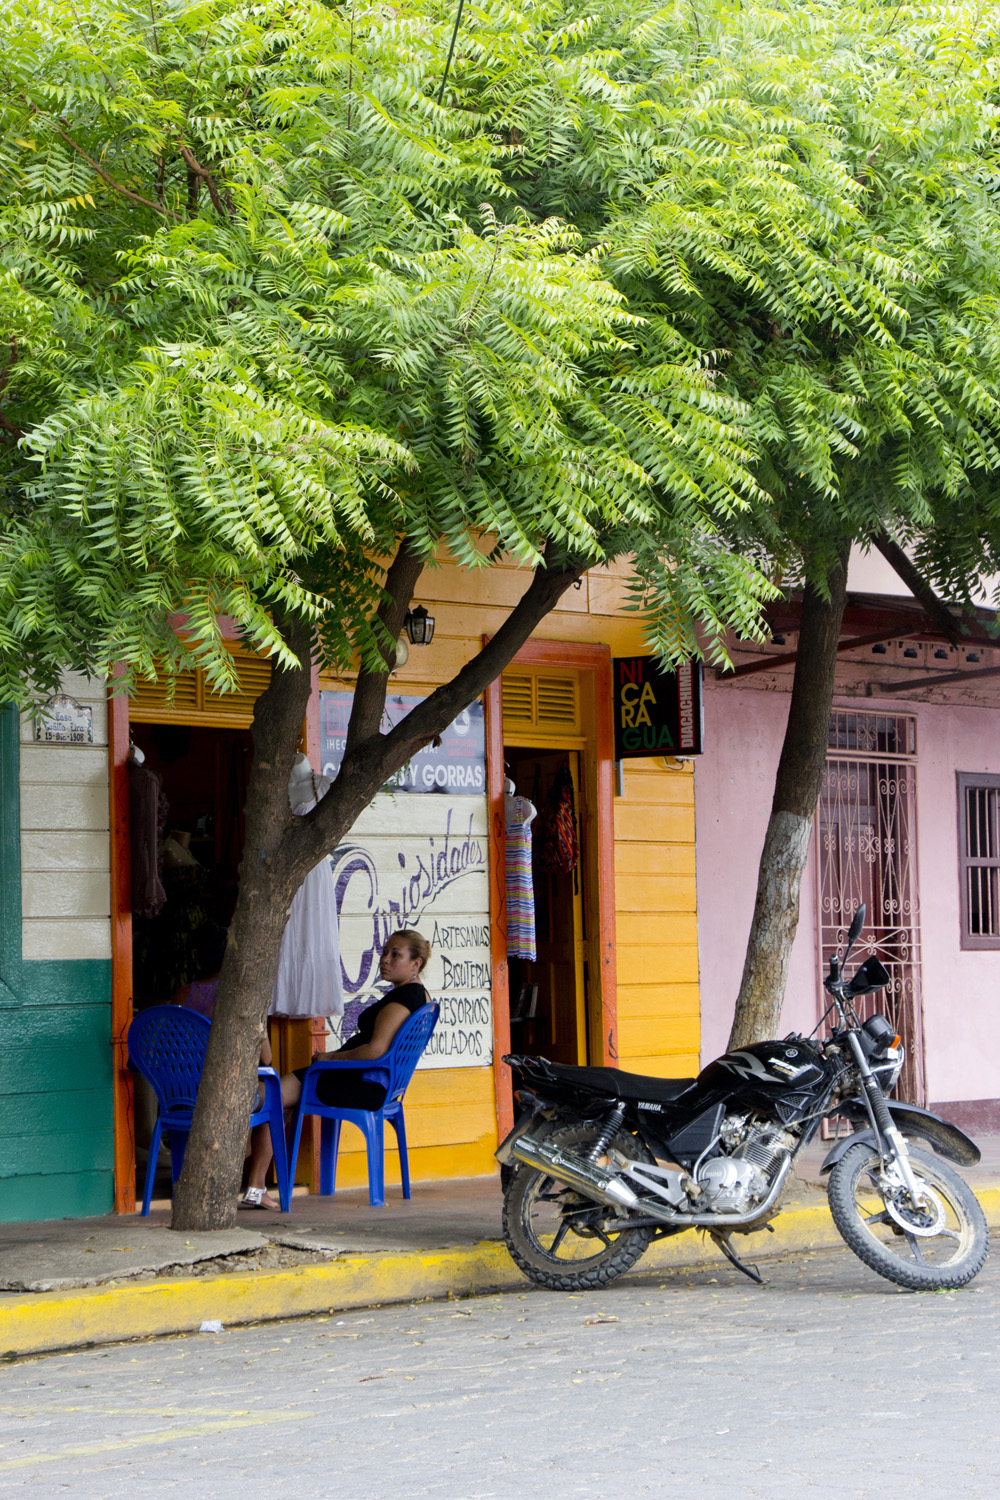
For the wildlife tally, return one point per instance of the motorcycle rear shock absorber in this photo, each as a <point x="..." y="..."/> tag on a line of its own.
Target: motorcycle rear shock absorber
<point x="608" y="1132"/>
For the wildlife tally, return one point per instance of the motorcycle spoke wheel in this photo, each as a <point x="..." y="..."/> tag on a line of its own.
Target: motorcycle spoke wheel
<point x="561" y="1239"/>
<point x="938" y="1243"/>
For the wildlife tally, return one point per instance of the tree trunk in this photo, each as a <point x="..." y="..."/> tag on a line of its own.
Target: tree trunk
<point x="280" y="849"/>
<point x="206" y="1194"/>
<point x="796" y="792"/>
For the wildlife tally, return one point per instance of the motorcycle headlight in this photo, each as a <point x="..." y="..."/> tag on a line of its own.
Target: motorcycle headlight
<point x="890" y="1065"/>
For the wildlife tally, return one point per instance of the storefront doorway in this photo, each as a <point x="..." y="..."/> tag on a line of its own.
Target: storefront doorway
<point x="198" y="743"/>
<point x="548" y="1006"/>
<point x="550" y="714"/>
<point x="204" y="774"/>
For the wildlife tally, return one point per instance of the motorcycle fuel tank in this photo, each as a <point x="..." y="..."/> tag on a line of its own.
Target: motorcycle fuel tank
<point x="768" y="1069"/>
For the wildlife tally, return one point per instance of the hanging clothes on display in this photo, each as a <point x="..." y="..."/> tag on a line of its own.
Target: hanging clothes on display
<point x="518" y="816"/>
<point x="147" y="824"/>
<point x="309" y="980"/>
<point x="558" y="842"/>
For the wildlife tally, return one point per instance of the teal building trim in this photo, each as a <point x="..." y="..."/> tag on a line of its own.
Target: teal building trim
<point x="56" y="1124"/>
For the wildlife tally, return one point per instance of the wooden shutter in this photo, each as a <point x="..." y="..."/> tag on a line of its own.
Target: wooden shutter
<point x="189" y="699"/>
<point x="544" y="701"/>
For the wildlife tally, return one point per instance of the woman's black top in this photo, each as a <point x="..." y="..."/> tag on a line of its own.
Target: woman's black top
<point x="348" y="1089"/>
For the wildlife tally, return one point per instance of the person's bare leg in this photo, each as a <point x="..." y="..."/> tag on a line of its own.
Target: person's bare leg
<point x="260" y="1144"/>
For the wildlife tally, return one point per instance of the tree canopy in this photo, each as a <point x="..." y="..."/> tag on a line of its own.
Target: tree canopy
<point x="289" y="303"/>
<point x="699" y="284"/>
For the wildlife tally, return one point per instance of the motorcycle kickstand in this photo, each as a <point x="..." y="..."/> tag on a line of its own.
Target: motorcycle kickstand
<point x="725" y="1244"/>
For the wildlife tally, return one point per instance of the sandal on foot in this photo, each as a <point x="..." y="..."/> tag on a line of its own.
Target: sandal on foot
<point x="255" y="1197"/>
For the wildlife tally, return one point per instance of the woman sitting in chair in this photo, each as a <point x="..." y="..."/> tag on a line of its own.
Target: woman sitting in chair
<point x="404" y="957"/>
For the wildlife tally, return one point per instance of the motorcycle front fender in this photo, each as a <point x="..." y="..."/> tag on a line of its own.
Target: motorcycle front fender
<point x="946" y="1138"/>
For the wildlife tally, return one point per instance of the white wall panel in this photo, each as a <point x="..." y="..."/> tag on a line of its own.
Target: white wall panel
<point x="64" y="851"/>
<point x="65" y="893"/>
<point x="420" y="861"/>
<point x="65" y="844"/>
<point x="66" y="938"/>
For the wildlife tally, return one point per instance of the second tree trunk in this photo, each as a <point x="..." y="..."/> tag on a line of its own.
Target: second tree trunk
<point x="796" y="792"/>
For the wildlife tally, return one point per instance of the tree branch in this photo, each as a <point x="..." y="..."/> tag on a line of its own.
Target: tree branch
<point x="369" y="693"/>
<point x="106" y="177"/>
<point x="936" y="609"/>
<point x="5" y="422"/>
<point x="436" y="712"/>
<point x="369" y="761"/>
<point x="195" y="166"/>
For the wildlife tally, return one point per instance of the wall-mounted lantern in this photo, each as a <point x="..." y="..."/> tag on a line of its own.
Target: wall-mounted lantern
<point x="419" y="626"/>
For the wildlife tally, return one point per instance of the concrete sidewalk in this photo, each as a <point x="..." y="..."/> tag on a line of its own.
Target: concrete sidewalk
<point x="66" y="1283"/>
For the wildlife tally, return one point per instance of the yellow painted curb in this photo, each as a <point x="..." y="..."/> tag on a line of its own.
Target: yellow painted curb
<point x="36" y="1323"/>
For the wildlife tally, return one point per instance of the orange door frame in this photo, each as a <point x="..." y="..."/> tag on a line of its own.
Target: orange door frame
<point x="121" y="953"/>
<point x="594" y="660"/>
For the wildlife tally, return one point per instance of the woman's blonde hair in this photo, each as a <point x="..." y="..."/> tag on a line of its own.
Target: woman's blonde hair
<point x="418" y="945"/>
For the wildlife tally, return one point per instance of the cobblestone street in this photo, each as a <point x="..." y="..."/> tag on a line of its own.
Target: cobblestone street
<point x="827" y="1383"/>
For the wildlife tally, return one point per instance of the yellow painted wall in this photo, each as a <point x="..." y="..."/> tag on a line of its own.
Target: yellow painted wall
<point x="655" y="919"/>
<point x="451" y="1113"/>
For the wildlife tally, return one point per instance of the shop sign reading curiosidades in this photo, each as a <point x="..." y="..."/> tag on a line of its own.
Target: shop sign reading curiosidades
<point x="419" y="861"/>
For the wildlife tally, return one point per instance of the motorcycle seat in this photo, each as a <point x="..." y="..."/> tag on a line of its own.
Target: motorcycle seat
<point x="630" y="1086"/>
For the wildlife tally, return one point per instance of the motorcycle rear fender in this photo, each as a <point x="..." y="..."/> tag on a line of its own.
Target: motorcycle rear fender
<point x="532" y="1107"/>
<point x="946" y="1138"/>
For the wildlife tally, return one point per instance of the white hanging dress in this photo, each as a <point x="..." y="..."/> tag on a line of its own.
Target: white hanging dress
<point x="309" y="980"/>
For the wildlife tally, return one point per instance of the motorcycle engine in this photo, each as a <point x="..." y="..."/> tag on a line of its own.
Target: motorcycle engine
<point x="734" y="1182"/>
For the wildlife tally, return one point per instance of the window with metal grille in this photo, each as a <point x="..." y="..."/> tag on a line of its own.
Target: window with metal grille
<point x="873" y="734"/>
<point x="979" y="859"/>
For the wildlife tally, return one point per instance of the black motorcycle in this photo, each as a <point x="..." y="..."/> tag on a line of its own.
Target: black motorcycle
<point x="601" y="1162"/>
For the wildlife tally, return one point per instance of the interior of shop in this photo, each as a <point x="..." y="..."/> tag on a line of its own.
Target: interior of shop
<point x="203" y="774"/>
<point x="548" y="991"/>
<point x="185" y="854"/>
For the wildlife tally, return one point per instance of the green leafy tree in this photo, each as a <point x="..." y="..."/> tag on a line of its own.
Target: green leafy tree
<point x="688" y="286"/>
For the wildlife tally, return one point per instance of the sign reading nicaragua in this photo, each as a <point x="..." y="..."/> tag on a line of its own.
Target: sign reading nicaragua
<point x="657" y="712"/>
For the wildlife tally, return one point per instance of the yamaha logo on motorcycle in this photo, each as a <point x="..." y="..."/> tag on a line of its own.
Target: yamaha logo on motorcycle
<point x="601" y="1162"/>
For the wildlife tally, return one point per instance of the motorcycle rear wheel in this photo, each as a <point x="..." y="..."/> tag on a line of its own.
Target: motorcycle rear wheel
<point x="556" y="1235"/>
<point x="946" y="1242"/>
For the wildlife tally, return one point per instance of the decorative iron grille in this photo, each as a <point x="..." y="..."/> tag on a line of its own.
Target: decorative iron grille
<point x="866" y="850"/>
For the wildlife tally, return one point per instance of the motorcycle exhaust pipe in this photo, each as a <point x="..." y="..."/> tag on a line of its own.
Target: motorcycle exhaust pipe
<point x="575" y="1171"/>
<point x="602" y="1187"/>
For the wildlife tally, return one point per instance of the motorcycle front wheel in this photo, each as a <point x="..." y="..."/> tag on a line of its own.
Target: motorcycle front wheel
<point x="938" y="1244"/>
<point x="557" y="1236"/>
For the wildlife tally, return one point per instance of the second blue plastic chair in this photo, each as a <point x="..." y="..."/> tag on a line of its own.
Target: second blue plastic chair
<point x="395" y="1069"/>
<point x="167" y="1046"/>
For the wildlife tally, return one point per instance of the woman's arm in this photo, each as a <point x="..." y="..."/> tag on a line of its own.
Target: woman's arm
<point x="389" y="1020"/>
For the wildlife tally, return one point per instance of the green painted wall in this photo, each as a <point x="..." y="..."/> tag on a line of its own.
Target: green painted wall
<point x="56" y="1147"/>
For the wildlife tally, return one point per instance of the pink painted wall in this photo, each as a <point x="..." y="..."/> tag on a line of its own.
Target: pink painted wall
<point x="961" y="989"/>
<point x="734" y="782"/>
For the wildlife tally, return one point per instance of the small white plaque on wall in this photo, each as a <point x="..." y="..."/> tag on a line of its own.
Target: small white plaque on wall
<point x="63" y="721"/>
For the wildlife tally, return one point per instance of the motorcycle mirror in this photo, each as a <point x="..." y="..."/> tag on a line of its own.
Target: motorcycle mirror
<point x="858" y="921"/>
<point x="871" y="976"/>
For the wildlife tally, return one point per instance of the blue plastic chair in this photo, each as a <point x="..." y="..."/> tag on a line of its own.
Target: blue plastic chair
<point x="167" y="1045"/>
<point x="395" y="1070"/>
